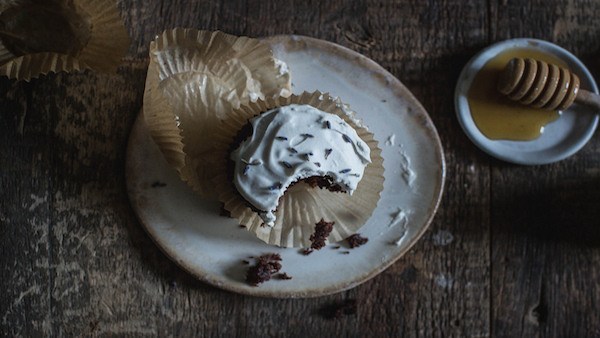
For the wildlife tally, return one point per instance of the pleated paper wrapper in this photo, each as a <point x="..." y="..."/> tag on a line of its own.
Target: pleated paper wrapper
<point x="302" y="206"/>
<point x="39" y="37"/>
<point x="195" y="79"/>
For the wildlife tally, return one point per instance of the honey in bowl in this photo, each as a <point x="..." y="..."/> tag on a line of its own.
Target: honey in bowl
<point x="496" y="116"/>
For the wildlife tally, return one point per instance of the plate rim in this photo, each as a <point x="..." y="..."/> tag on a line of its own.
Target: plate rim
<point x="463" y="113"/>
<point x="428" y="127"/>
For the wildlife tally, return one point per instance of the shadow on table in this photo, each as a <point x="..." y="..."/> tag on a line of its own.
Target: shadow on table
<point x="566" y="212"/>
<point x="157" y="261"/>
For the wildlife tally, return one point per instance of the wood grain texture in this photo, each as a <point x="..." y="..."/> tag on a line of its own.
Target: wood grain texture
<point x="545" y="219"/>
<point x="513" y="251"/>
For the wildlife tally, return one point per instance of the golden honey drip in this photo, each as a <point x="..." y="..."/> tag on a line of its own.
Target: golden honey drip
<point x="496" y="116"/>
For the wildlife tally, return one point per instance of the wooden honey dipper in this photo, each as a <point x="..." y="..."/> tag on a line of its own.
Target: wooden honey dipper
<point x="542" y="85"/>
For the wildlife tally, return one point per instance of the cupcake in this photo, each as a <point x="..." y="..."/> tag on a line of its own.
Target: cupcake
<point x="320" y="164"/>
<point x="289" y="163"/>
<point x="296" y="144"/>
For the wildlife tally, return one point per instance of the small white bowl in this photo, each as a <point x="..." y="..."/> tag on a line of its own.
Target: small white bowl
<point x="560" y="139"/>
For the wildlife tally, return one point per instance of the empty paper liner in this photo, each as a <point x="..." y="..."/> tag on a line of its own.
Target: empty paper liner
<point x="39" y="37"/>
<point x="302" y="206"/>
<point x="195" y="79"/>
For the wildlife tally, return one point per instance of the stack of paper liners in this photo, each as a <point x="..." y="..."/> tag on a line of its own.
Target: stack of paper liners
<point x="301" y="207"/>
<point x="195" y="78"/>
<point x="38" y="37"/>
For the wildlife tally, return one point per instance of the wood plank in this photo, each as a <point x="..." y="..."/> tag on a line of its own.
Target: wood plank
<point x="25" y="207"/>
<point x="442" y="286"/>
<point x="545" y="218"/>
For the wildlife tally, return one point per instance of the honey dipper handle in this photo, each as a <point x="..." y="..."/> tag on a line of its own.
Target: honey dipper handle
<point x="588" y="98"/>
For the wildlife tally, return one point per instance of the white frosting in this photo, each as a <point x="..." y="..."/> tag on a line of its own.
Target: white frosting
<point x="291" y="143"/>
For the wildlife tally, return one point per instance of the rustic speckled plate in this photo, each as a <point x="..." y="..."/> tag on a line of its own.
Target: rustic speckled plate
<point x="211" y="247"/>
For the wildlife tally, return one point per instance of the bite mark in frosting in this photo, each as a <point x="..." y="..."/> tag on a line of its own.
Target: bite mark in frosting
<point x="291" y="143"/>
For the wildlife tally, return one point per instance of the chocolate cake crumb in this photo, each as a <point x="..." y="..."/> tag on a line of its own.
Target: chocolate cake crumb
<point x="242" y="226"/>
<point x="284" y="276"/>
<point x="356" y="240"/>
<point x="322" y="231"/>
<point x="158" y="184"/>
<point x="345" y="252"/>
<point x="323" y="182"/>
<point x="336" y="247"/>
<point x="266" y="266"/>
<point x="337" y="310"/>
<point x="307" y="251"/>
<point x="245" y="261"/>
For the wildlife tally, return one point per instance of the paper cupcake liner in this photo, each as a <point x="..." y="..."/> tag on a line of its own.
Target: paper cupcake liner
<point x="181" y="50"/>
<point x="301" y="207"/>
<point x="109" y="40"/>
<point x="197" y="102"/>
<point x="98" y="36"/>
<point x="5" y="54"/>
<point x="195" y="78"/>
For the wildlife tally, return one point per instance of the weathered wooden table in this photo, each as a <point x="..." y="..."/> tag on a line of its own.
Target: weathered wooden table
<point x="523" y="257"/>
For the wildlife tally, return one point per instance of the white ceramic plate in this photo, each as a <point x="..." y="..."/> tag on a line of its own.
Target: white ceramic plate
<point x="190" y="230"/>
<point x="561" y="138"/>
